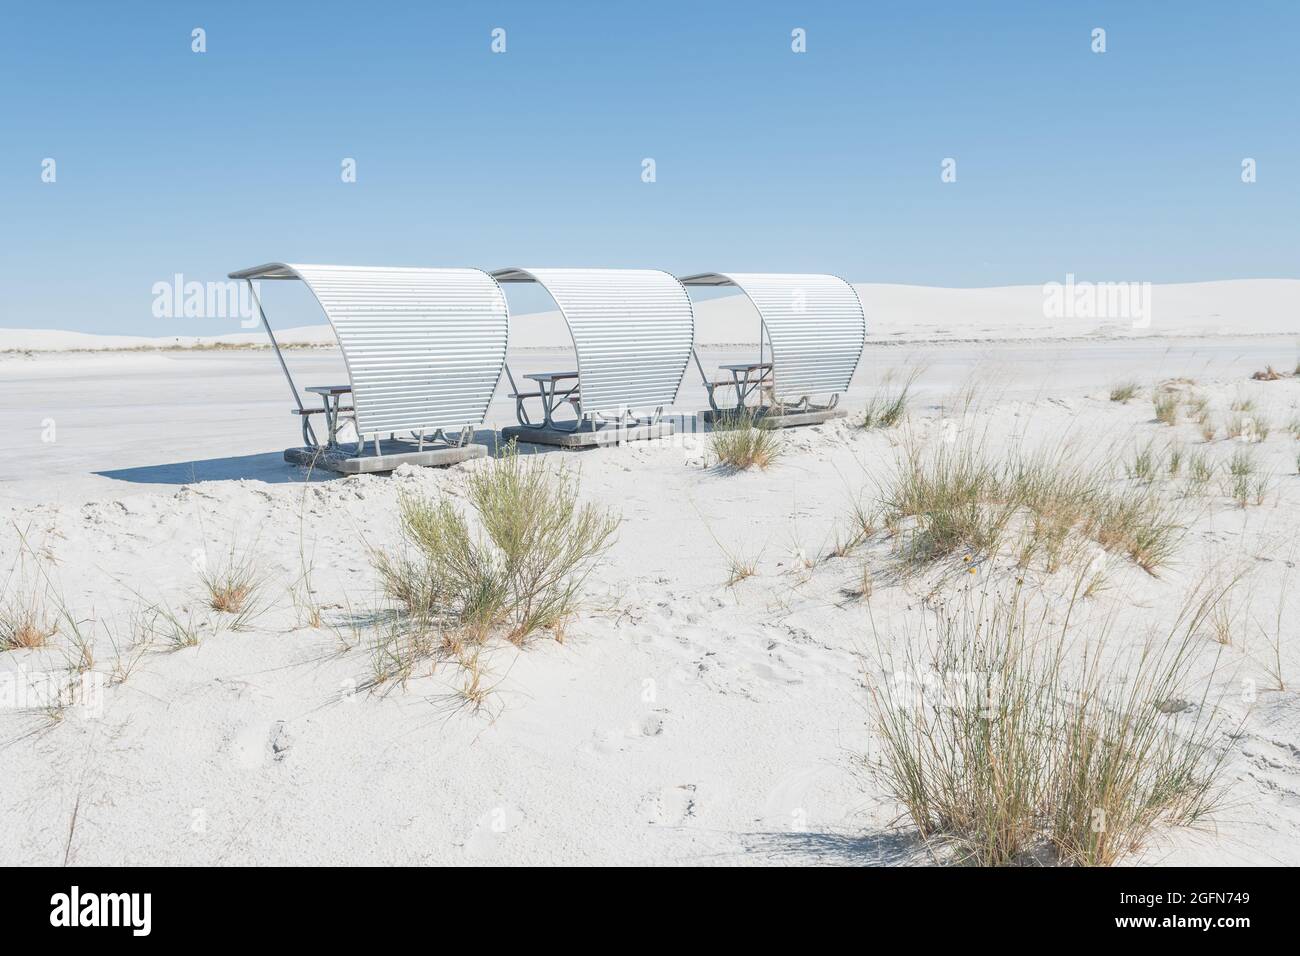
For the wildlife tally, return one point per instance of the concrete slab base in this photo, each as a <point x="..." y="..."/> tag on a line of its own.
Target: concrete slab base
<point x="587" y="436"/>
<point x="774" y="419"/>
<point x="395" y="452"/>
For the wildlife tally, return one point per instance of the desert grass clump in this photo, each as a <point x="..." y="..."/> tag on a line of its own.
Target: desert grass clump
<point x="1245" y="485"/>
<point x="1175" y="463"/>
<point x="1009" y="740"/>
<point x="1199" y="472"/>
<point x="740" y="568"/>
<point x="740" y="441"/>
<point x="889" y="404"/>
<point x="1145" y="464"/>
<point x="1166" y="407"/>
<point x="25" y="624"/>
<point x="956" y="497"/>
<point x="1197" y="404"/>
<point x="521" y="571"/>
<point x="177" y="630"/>
<point x="1124" y="392"/>
<point x="1205" y="421"/>
<point x="234" y="586"/>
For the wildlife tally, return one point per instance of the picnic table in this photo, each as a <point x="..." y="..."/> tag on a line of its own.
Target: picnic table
<point x="746" y="378"/>
<point x="331" y="408"/>
<point x="552" y="392"/>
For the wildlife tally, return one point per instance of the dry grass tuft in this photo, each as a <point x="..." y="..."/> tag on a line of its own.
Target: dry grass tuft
<point x="741" y="441"/>
<point x="235" y="586"/>
<point x="956" y="497"/>
<point x="25" y="624"/>
<point x="888" y="406"/>
<point x="1124" y="392"/>
<point x="1166" y="406"/>
<point x="1008" y="741"/>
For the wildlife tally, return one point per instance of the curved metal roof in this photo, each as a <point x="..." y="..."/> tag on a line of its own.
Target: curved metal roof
<point x="632" y="329"/>
<point x="424" y="348"/>
<point x="814" y="324"/>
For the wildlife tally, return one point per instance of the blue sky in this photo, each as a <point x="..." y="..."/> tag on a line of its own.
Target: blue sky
<point x="1122" y="166"/>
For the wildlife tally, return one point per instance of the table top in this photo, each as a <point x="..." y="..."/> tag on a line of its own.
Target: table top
<point x="329" y="389"/>
<point x="551" y="376"/>
<point x="745" y="366"/>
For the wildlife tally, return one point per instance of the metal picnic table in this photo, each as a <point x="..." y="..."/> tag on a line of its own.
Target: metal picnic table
<point x="746" y="378"/>
<point x="550" y="393"/>
<point x="331" y="401"/>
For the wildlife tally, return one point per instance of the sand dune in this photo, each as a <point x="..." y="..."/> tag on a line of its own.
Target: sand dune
<point x="895" y="313"/>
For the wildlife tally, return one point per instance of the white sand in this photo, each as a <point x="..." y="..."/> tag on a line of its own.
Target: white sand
<point x="682" y="721"/>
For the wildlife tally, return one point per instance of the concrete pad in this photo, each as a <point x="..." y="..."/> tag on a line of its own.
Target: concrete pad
<point x="588" y="437"/>
<point x="772" y="419"/>
<point x="395" y="452"/>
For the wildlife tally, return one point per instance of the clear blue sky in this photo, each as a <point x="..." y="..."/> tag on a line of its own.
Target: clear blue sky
<point x="1123" y="165"/>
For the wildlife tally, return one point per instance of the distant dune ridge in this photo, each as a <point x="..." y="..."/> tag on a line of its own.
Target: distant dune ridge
<point x="895" y="313"/>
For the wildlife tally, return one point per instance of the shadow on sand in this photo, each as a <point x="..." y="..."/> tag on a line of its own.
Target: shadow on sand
<point x="269" y="467"/>
<point x="835" y="849"/>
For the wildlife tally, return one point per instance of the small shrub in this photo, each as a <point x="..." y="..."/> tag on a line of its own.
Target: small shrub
<point x="523" y="572"/>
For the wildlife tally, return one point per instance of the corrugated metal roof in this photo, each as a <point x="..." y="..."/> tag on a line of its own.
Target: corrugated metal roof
<point x="632" y="329"/>
<point x="424" y="348"/>
<point x="814" y="324"/>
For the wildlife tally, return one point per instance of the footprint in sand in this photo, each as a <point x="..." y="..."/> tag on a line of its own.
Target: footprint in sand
<point x="671" y="806"/>
<point x="259" y="744"/>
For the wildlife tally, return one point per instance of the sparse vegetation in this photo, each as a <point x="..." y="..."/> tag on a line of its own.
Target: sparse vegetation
<point x="1145" y="463"/>
<point x="954" y="497"/>
<point x="521" y="571"/>
<point x="1245" y="485"/>
<point x="1007" y="740"/>
<point x="740" y="569"/>
<point x="24" y="623"/>
<point x="234" y="586"/>
<point x="177" y="630"/>
<point x="741" y="441"/>
<point x="1206" y="422"/>
<point x="1251" y="428"/>
<point x="1199" y="472"/>
<point x="888" y="405"/>
<point x="1166" y="406"/>
<point x="1124" y="391"/>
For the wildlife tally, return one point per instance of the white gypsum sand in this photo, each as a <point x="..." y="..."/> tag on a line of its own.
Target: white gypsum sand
<point x="682" y="720"/>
